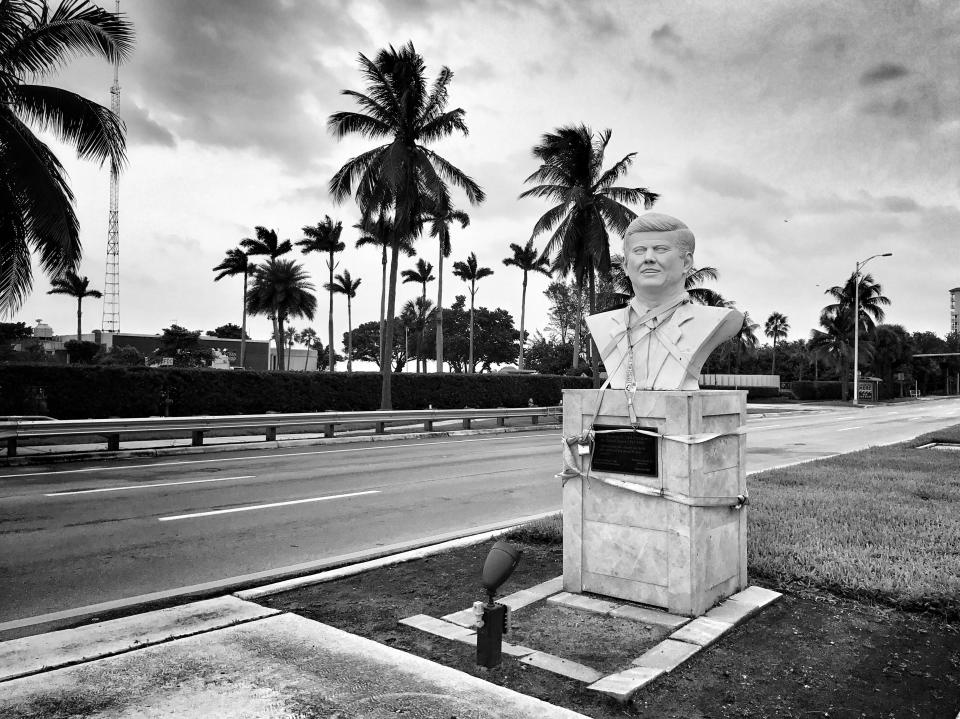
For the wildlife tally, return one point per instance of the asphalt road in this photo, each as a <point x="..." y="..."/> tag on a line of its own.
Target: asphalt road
<point x="84" y="533"/>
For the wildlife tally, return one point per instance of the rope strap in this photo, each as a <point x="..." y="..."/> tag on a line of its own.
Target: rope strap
<point x="571" y="468"/>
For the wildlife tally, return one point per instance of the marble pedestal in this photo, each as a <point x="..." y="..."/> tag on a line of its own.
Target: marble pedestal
<point x="653" y="549"/>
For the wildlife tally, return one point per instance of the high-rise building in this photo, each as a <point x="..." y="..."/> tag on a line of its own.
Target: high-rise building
<point x="955" y="309"/>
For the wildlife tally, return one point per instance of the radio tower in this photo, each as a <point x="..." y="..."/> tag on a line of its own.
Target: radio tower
<point x="111" y="282"/>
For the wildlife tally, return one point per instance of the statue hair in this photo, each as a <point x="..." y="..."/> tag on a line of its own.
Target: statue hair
<point x="658" y="222"/>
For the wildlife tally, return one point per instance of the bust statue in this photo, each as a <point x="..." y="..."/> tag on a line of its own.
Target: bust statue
<point x="661" y="339"/>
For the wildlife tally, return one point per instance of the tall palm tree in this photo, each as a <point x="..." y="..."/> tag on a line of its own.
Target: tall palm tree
<point x="835" y="345"/>
<point x="571" y="174"/>
<point x="776" y="328"/>
<point x="528" y="260"/>
<point x="325" y="237"/>
<point x="281" y="288"/>
<point x="344" y="284"/>
<point x="307" y="337"/>
<point x="36" y="203"/>
<point x="422" y="275"/>
<point x="470" y="272"/>
<point x="379" y="233"/>
<point x="265" y="242"/>
<point x="237" y="262"/>
<point x="71" y="284"/>
<point x="440" y="219"/>
<point x="402" y="176"/>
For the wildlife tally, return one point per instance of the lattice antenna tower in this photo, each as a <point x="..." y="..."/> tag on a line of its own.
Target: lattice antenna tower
<point x="111" y="282"/>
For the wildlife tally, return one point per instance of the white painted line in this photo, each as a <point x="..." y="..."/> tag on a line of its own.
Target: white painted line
<point x="265" y="506"/>
<point x="847" y="429"/>
<point x="367" y="447"/>
<point x="147" y="486"/>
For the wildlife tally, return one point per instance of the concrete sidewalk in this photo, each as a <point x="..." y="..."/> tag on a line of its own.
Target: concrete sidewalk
<point x="227" y="657"/>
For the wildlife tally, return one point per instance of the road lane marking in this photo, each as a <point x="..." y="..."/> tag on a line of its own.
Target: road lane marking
<point x="147" y="486"/>
<point x="365" y="448"/>
<point x="265" y="506"/>
<point x="847" y="429"/>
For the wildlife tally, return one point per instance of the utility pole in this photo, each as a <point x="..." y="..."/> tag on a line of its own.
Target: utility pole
<point x="111" y="283"/>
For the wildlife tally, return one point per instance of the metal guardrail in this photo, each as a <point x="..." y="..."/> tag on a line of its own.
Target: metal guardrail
<point x="114" y="429"/>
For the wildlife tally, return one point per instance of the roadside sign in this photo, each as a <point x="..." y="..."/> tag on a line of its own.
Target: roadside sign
<point x="865" y="390"/>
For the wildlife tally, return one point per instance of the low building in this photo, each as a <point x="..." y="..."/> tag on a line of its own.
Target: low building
<point x="257" y="356"/>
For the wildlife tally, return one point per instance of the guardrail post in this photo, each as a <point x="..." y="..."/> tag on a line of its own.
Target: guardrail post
<point x="328" y="430"/>
<point x="196" y="438"/>
<point x="428" y="425"/>
<point x="466" y="423"/>
<point x="11" y="446"/>
<point x="271" y="434"/>
<point x="381" y="428"/>
<point x="113" y="442"/>
<point x="501" y="421"/>
<point x="535" y="419"/>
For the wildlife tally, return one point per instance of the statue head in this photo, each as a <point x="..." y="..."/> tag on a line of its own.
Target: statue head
<point x="657" y="256"/>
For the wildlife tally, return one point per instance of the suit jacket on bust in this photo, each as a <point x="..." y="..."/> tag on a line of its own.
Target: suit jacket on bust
<point x="666" y="355"/>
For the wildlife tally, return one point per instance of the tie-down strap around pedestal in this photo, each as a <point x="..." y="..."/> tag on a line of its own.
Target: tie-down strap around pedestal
<point x="570" y="468"/>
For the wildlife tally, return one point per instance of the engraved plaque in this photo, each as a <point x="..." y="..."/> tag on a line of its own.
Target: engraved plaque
<point x="625" y="452"/>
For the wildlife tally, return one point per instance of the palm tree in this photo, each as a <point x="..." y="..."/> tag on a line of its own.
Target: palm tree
<point x="422" y="275"/>
<point x="71" y="284"/>
<point x="290" y="336"/>
<point x="325" y="237"/>
<point x="835" y="345"/>
<point x="306" y="337"/>
<point x="265" y="242"/>
<point x="281" y="288"/>
<point x="36" y="203"/>
<point x="746" y="337"/>
<point x="344" y="284"/>
<point x="440" y="219"/>
<point x="571" y="173"/>
<point x="379" y="233"/>
<point x="403" y="176"/>
<point x="528" y="260"/>
<point x="414" y="314"/>
<point x="469" y="272"/>
<point x="238" y="262"/>
<point x="776" y="328"/>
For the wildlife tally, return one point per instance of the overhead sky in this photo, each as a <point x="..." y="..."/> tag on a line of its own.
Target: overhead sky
<point x="794" y="138"/>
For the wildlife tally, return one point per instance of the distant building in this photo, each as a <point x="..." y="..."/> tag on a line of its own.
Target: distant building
<point x="256" y="357"/>
<point x="955" y="309"/>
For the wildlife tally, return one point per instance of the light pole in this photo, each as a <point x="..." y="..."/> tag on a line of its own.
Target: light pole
<point x="856" y="324"/>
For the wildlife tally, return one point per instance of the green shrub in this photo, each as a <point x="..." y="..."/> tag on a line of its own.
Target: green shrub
<point x="98" y="391"/>
<point x="817" y="390"/>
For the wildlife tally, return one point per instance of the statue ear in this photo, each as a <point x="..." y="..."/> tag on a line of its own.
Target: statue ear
<point x="688" y="263"/>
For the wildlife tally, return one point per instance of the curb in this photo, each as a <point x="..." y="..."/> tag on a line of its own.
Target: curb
<point x="274" y="444"/>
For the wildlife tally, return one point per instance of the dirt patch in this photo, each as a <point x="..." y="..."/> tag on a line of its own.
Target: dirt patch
<point x="809" y="654"/>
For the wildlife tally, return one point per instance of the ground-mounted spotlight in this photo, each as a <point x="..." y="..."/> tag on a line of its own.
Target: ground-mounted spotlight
<point x="493" y="619"/>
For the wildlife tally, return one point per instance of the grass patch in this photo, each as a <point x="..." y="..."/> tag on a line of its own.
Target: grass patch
<point x="881" y="524"/>
<point x="548" y="530"/>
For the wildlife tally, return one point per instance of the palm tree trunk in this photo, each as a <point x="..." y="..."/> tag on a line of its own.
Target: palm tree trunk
<point x="278" y="340"/>
<point x="773" y="368"/>
<point x="423" y="328"/>
<point x="523" y="317"/>
<point x="349" y="337"/>
<point x="594" y="353"/>
<point x="79" y="315"/>
<point x="575" y="362"/>
<point x="306" y="360"/>
<point x="386" y="397"/>
<point x="472" y="293"/>
<point x="333" y="354"/>
<point x="384" y="355"/>
<point x="243" y="323"/>
<point x="440" y="312"/>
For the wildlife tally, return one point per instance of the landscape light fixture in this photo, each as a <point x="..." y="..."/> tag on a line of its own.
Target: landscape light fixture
<point x="493" y="618"/>
<point x="856" y="326"/>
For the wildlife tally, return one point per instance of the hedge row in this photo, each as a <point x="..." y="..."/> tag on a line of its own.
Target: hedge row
<point x="93" y="392"/>
<point x="817" y="390"/>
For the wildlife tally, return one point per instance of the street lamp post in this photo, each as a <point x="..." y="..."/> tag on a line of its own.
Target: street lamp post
<point x="856" y="324"/>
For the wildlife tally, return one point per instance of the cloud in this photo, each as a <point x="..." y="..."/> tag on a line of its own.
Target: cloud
<point x="898" y="204"/>
<point x="730" y="182"/>
<point x="142" y="129"/>
<point x="918" y="102"/>
<point x="883" y="72"/>
<point x="650" y="70"/>
<point x="666" y="39"/>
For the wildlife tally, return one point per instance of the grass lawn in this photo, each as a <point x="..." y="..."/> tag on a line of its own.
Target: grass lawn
<point x="865" y="548"/>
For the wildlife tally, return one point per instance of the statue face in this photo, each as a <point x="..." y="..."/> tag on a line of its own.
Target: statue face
<point x="656" y="265"/>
